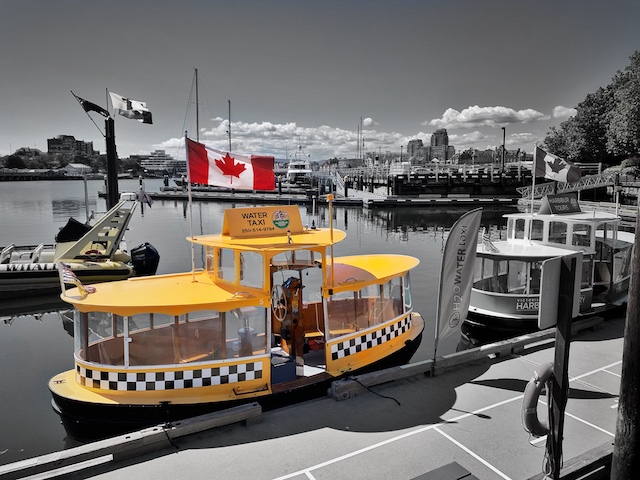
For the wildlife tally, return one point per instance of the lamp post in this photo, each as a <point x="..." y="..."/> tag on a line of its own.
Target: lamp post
<point x="504" y="151"/>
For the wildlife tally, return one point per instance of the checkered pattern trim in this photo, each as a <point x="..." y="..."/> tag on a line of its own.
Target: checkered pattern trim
<point x="371" y="339"/>
<point x="167" y="380"/>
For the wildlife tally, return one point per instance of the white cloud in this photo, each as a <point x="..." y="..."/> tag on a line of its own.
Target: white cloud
<point x="323" y="142"/>
<point x="475" y="116"/>
<point x="563" y="112"/>
<point x="472" y="138"/>
<point x="280" y="140"/>
<point x="367" y="122"/>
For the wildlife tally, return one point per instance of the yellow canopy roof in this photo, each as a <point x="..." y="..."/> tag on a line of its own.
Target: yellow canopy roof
<point x="174" y="294"/>
<point x="357" y="271"/>
<point x="177" y="294"/>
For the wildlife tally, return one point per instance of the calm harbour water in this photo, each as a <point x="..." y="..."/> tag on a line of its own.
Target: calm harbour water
<point x="34" y="346"/>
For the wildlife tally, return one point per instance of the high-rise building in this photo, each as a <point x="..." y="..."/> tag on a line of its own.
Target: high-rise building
<point x="67" y="145"/>
<point x="440" y="138"/>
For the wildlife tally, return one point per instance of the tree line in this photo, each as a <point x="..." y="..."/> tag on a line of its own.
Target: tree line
<point x="606" y="126"/>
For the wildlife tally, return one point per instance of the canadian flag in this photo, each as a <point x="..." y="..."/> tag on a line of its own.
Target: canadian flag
<point x="209" y="166"/>
<point x="555" y="168"/>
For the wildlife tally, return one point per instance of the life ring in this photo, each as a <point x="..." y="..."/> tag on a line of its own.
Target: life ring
<point x="541" y="378"/>
<point x="92" y="253"/>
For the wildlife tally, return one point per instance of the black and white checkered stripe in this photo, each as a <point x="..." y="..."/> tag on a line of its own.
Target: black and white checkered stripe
<point x="371" y="339"/>
<point x="167" y="380"/>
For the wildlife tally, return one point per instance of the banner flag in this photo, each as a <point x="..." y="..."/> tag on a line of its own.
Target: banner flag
<point x="91" y="107"/>
<point x="456" y="275"/>
<point x="130" y="108"/>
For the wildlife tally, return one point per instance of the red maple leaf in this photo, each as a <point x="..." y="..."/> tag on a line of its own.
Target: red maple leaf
<point x="228" y="166"/>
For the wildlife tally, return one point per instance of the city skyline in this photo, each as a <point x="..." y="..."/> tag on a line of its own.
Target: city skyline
<point x="307" y="73"/>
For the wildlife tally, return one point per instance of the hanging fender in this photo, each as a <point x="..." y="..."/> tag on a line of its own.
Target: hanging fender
<point x="532" y="424"/>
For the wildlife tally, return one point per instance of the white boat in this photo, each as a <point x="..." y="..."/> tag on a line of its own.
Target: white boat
<point x="299" y="170"/>
<point x="272" y="317"/>
<point x="508" y="274"/>
<point x="95" y="253"/>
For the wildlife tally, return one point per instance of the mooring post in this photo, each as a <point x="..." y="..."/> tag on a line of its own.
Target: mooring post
<point x="626" y="457"/>
<point x="112" y="165"/>
<point x="560" y="378"/>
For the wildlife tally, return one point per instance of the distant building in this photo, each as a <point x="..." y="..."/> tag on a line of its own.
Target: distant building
<point x="439" y="149"/>
<point x="159" y="161"/>
<point x="26" y="153"/>
<point x="414" y="147"/>
<point x="67" y="146"/>
<point x="75" y="169"/>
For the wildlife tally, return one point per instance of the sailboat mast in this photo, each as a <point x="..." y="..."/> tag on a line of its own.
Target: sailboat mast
<point x="229" y="131"/>
<point x="197" y="110"/>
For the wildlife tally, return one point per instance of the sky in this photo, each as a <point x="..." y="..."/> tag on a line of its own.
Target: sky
<point x="302" y="76"/>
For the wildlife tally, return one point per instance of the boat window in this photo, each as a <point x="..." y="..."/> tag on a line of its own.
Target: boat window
<point x="581" y="235"/>
<point x="196" y="337"/>
<point x="246" y="332"/>
<point x="210" y="266"/>
<point x="587" y="267"/>
<point x="537" y="230"/>
<point x="226" y="265"/>
<point x="491" y="275"/>
<point x="622" y="263"/>
<point x="251" y="269"/>
<point x="144" y="321"/>
<point x="519" y="228"/>
<point x="558" y="232"/>
<point x="604" y="252"/>
<point x="516" y="279"/>
<point x="407" y="292"/>
<point x="297" y="258"/>
<point x="349" y="312"/>
<point x="100" y="336"/>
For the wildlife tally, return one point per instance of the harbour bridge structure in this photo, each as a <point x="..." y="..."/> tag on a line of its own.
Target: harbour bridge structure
<point x="585" y="183"/>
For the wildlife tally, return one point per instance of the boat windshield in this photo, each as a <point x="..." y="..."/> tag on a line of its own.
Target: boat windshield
<point x="518" y="277"/>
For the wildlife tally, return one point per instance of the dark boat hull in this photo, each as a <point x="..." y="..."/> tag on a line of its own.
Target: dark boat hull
<point x="481" y="329"/>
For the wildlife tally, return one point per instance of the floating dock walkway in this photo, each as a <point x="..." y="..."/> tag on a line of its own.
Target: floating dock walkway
<point x="355" y="198"/>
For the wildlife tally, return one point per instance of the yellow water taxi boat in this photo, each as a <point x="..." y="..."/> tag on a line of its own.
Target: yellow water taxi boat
<point x="273" y="315"/>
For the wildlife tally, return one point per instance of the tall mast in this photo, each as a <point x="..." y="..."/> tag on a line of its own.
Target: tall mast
<point x="229" y="131"/>
<point x="197" y="110"/>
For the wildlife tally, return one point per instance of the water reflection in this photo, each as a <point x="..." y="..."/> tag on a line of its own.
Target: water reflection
<point x="63" y="209"/>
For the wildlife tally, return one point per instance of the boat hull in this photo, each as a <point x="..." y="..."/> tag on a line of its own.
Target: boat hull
<point x="91" y="421"/>
<point x="30" y="279"/>
<point x="480" y="328"/>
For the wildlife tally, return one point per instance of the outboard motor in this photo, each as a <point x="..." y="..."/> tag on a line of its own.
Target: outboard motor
<point x="145" y="259"/>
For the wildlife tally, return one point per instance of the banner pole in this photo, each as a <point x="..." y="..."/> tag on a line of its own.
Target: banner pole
<point x="193" y="259"/>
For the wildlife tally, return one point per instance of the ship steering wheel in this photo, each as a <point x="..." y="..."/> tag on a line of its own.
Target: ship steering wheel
<point x="278" y="302"/>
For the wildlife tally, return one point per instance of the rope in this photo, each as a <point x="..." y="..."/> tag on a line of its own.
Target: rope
<point x="375" y="393"/>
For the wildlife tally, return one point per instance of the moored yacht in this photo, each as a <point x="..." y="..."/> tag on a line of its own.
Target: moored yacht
<point x="508" y="274"/>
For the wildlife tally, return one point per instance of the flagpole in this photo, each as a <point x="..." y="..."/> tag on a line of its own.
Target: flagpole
<point x="64" y="290"/>
<point x="193" y="258"/>
<point x="533" y="172"/>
